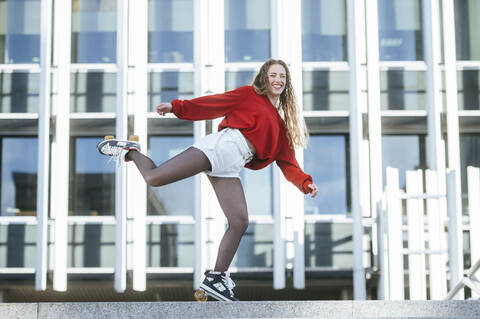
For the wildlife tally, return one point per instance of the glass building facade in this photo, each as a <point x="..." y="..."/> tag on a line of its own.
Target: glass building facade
<point x="100" y="67"/>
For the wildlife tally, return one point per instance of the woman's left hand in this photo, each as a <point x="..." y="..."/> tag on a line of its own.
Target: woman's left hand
<point x="314" y="189"/>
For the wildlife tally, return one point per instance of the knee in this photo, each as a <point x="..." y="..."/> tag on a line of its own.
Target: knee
<point x="240" y="224"/>
<point x="152" y="180"/>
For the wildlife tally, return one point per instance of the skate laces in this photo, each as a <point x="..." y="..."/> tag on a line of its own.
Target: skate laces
<point x="228" y="282"/>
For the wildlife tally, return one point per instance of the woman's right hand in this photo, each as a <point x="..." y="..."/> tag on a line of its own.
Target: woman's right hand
<point x="164" y="108"/>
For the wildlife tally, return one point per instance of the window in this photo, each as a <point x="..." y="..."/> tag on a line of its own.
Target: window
<point x="19" y="92"/>
<point x="468" y="90"/>
<point x="94" y="36"/>
<point x="402" y="90"/>
<point x="469" y="155"/>
<point x="247" y="30"/>
<point x="18" y="176"/>
<point x="170" y="31"/>
<point x="91" y="245"/>
<point x="93" y="92"/>
<point x="404" y="152"/>
<point x="324" y="35"/>
<point x="236" y="79"/>
<point x="256" y="247"/>
<point x="19" y="31"/>
<point x="92" y="179"/>
<point x="325" y="90"/>
<point x="466" y="27"/>
<point x="18" y="245"/>
<point x="170" y="245"/>
<point x="325" y="159"/>
<point x="177" y="198"/>
<point x="169" y="85"/>
<point x="400" y="30"/>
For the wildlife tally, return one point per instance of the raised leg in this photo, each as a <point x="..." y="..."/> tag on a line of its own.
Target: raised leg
<point x="188" y="163"/>
<point x="231" y="197"/>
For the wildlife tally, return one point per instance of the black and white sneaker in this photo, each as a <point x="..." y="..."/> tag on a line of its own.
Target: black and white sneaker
<point x="219" y="286"/>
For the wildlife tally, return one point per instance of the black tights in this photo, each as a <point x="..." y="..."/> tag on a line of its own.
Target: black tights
<point x="229" y="192"/>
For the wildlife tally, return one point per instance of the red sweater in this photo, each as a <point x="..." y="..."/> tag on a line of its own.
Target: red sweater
<point x="257" y="119"/>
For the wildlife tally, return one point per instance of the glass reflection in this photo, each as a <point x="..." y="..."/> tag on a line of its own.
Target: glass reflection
<point x="256" y="247"/>
<point x="400" y="30"/>
<point x="18" y="245"/>
<point x="257" y="186"/>
<point x="324" y="35"/>
<point x="170" y="245"/>
<point x="91" y="245"/>
<point x="328" y="245"/>
<point x="169" y="85"/>
<point x="469" y="156"/>
<point x="247" y="30"/>
<point x="19" y="92"/>
<point x="325" y="90"/>
<point x="170" y="31"/>
<point x="237" y="79"/>
<point x="92" y="179"/>
<point x="402" y="90"/>
<point x="466" y="22"/>
<point x="177" y="198"/>
<point x="93" y="92"/>
<point x="404" y="152"/>
<point x="20" y="31"/>
<point x="468" y="90"/>
<point x="18" y="176"/>
<point x="94" y="35"/>
<point x="325" y="159"/>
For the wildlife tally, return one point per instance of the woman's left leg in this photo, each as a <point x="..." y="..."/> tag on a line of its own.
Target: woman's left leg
<point x="231" y="197"/>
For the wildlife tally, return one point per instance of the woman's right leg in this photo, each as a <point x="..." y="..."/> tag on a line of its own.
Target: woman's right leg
<point x="188" y="163"/>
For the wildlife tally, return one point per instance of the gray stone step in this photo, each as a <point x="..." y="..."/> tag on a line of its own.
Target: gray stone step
<point x="248" y="309"/>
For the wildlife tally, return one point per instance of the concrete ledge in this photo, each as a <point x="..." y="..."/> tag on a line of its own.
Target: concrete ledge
<point x="256" y="309"/>
<point x="18" y="310"/>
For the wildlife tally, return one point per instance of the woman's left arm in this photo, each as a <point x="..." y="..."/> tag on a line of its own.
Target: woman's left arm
<point x="293" y="173"/>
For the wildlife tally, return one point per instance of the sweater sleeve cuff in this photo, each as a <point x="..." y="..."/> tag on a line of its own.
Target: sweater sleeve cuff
<point x="305" y="189"/>
<point x="176" y="108"/>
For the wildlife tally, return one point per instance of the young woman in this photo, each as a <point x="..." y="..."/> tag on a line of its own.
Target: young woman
<point x="260" y="126"/>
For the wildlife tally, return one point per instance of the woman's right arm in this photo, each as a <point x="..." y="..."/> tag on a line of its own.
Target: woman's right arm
<point x="205" y="107"/>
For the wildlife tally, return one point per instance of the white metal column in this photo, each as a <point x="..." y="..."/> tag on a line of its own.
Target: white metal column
<point x="455" y="236"/>
<point x="137" y="205"/>
<point x="121" y="133"/>
<point x="473" y="174"/>
<point x="209" y="59"/>
<point x="61" y="141"/>
<point x="43" y="145"/>
<point x="435" y="143"/>
<point x="452" y="113"/>
<point x="355" y="37"/>
<point x="286" y="29"/>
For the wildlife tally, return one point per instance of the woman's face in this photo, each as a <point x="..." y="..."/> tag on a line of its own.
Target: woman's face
<point x="277" y="79"/>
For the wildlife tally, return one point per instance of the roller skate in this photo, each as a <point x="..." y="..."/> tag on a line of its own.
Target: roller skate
<point x="118" y="149"/>
<point x="216" y="285"/>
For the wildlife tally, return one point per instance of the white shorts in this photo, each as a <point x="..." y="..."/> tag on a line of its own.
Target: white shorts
<point x="227" y="152"/>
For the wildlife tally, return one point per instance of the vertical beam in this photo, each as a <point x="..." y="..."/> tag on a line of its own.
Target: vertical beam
<point x="61" y="142"/>
<point x="455" y="237"/>
<point x="473" y="174"/>
<point x="453" y="140"/>
<point x="286" y="32"/>
<point x="138" y="56"/>
<point x="121" y="133"/>
<point x="416" y="240"/>
<point x="395" y="236"/>
<point x="431" y="18"/>
<point x="354" y="21"/>
<point x="436" y="222"/>
<point x="201" y="183"/>
<point x="43" y="145"/>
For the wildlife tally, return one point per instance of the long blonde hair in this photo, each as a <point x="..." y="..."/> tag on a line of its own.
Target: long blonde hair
<point x="297" y="133"/>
